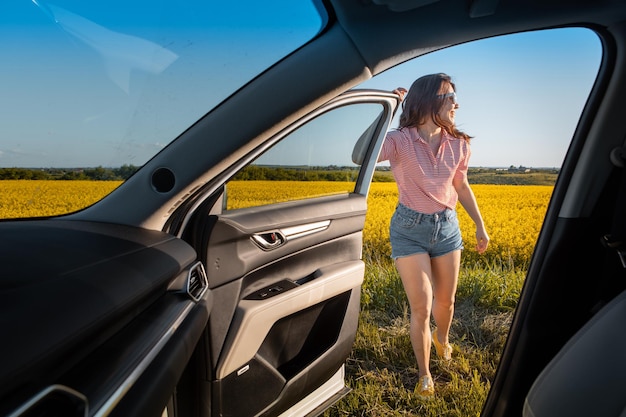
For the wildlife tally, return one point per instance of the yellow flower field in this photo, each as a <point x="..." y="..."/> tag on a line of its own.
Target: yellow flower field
<point x="255" y="193"/>
<point x="33" y="198"/>
<point x="513" y="214"/>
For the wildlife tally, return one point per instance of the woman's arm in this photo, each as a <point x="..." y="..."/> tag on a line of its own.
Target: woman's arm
<point x="468" y="201"/>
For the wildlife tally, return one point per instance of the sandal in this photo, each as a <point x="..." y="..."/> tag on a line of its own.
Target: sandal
<point x="425" y="388"/>
<point x="443" y="351"/>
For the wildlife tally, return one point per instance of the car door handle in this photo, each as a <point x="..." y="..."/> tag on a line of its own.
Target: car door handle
<point x="269" y="240"/>
<point x="273" y="239"/>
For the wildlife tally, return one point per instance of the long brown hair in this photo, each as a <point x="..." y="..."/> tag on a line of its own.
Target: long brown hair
<point x="422" y="102"/>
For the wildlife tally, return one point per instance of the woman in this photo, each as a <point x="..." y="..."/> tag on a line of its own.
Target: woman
<point x="429" y="159"/>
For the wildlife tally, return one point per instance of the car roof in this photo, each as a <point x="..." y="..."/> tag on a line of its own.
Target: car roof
<point x="387" y="32"/>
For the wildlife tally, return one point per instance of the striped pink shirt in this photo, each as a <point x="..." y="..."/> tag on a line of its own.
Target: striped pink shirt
<point x="425" y="180"/>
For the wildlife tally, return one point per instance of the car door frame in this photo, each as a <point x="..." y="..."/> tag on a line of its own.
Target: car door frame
<point x="335" y="238"/>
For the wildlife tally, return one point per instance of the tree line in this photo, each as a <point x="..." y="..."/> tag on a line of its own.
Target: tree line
<point x="249" y="173"/>
<point x="86" y="174"/>
<point x="269" y="173"/>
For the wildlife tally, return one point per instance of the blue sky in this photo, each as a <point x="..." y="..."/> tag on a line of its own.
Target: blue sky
<point x="109" y="83"/>
<point x="134" y="88"/>
<point x="520" y="96"/>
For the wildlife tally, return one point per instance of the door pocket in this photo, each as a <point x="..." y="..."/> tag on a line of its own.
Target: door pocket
<point x="255" y="318"/>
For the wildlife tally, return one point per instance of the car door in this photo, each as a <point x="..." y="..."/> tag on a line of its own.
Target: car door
<point x="282" y="251"/>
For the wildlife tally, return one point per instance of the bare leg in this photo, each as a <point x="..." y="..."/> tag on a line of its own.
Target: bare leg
<point x="415" y="272"/>
<point x="445" y="277"/>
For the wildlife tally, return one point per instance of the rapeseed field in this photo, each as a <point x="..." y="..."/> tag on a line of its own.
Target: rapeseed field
<point x="36" y="198"/>
<point x="513" y="213"/>
<point x="381" y="369"/>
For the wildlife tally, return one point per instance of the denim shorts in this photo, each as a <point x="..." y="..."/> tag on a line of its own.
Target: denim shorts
<point x="412" y="232"/>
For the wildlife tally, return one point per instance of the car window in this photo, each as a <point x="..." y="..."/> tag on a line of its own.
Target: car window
<point x="92" y="88"/>
<point x="521" y="97"/>
<point x="507" y="86"/>
<point x="314" y="160"/>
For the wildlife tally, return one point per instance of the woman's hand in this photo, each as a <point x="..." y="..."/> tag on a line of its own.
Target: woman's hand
<point x="401" y="91"/>
<point x="482" y="240"/>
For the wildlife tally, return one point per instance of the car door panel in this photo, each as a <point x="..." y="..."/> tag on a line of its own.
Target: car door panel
<point x="286" y="280"/>
<point x="280" y="324"/>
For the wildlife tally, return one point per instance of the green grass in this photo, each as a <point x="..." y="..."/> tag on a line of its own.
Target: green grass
<point x="382" y="370"/>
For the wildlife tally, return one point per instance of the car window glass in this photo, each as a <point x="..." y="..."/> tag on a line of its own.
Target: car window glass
<point x="313" y="161"/>
<point x="92" y="90"/>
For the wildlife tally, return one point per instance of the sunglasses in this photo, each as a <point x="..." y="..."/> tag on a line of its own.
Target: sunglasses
<point x="451" y="95"/>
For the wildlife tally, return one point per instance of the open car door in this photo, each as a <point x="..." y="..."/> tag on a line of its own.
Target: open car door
<point x="282" y="249"/>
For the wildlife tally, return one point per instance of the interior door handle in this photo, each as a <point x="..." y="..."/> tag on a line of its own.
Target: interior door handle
<point x="276" y="238"/>
<point x="269" y="240"/>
